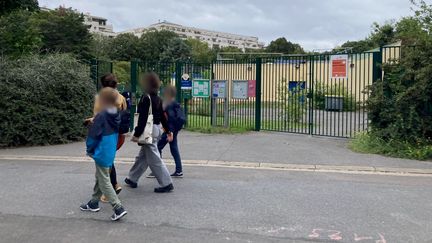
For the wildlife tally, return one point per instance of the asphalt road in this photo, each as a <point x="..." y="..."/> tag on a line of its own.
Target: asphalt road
<point x="40" y="199"/>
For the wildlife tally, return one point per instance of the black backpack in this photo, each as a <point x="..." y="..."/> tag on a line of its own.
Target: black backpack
<point x="177" y="116"/>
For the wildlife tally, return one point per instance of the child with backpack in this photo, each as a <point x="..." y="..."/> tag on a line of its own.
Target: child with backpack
<point x="176" y="120"/>
<point x="101" y="147"/>
<point x="110" y="80"/>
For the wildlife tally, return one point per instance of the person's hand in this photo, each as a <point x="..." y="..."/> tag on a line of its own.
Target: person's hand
<point x="135" y="139"/>
<point x="88" y="121"/>
<point x="170" y="137"/>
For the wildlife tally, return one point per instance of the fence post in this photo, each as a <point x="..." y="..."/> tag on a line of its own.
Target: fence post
<point x="258" y="73"/>
<point x="133" y="83"/>
<point x="311" y="80"/>
<point x="377" y="65"/>
<point x="178" y="77"/>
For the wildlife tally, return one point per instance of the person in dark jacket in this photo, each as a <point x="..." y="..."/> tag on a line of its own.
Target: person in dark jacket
<point x="101" y="146"/>
<point x="149" y="155"/>
<point x="175" y="122"/>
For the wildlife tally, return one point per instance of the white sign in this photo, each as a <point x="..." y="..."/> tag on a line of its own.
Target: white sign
<point x="240" y="89"/>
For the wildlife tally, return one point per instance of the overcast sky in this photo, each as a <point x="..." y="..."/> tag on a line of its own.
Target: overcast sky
<point x="315" y="24"/>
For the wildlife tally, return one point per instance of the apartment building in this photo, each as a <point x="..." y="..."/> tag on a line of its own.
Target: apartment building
<point x="98" y="25"/>
<point x="212" y="38"/>
<point x="95" y="24"/>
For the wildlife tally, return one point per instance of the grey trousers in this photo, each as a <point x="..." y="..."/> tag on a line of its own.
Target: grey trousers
<point x="149" y="156"/>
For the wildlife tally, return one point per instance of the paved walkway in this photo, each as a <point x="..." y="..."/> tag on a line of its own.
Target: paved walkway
<point x="263" y="148"/>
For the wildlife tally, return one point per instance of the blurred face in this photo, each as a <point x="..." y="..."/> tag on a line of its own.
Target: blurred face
<point x="168" y="97"/>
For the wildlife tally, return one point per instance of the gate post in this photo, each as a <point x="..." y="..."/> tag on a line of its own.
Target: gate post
<point x="377" y="65"/>
<point x="178" y="77"/>
<point x="311" y="80"/>
<point x="133" y="83"/>
<point x="258" y="68"/>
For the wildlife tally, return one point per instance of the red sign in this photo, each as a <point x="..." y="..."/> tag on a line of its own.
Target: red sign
<point x="339" y="64"/>
<point x="251" y="88"/>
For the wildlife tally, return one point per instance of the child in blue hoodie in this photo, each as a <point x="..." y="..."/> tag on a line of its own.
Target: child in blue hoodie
<point x="101" y="146"/>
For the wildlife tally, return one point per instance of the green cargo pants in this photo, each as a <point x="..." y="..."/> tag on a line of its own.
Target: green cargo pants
<point x="103" y="187"/>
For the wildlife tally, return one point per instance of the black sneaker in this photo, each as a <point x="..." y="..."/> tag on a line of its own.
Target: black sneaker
<point x="164" y="189"/>
<point x="177" y="174"/>
<point x="151" y="175"/>
<point x="90" y="206"/>
<point x="131" y="183"/>
<point x="118" y="214"/>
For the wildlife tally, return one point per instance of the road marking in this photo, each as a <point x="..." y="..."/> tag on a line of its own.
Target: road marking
<point x="362" y="170"/>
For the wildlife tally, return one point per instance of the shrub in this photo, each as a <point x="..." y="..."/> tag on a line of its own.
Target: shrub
<point x="321" y="90"/>
<point x="44" y="100"/>
<point x="292" y="102"/>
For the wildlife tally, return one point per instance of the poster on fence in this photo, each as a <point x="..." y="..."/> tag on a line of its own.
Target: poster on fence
<point x="219" y="88"/>
<point x="240" y="89"/>
<point x="251" y="88"/>
<point x="339" y="66"/>
<point x="201" y="88"/>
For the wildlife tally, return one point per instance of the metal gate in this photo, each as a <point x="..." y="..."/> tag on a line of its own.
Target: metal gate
<point x="322" y="94"/>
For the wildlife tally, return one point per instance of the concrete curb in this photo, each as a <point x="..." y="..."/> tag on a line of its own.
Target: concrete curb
<point x="249" y="165"/>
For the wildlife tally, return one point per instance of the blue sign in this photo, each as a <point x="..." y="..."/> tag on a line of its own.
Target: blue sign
<point x="186" y="84"/>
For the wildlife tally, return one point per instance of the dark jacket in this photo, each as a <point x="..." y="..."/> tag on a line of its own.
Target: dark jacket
<point x="171" y="112"/>
<point x="158" y="114"/>
<point x="102" y="137"/>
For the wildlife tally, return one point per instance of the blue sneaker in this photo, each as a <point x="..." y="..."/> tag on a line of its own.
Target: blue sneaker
<point x="118" y="214"/>
<point x="90" y="206"/>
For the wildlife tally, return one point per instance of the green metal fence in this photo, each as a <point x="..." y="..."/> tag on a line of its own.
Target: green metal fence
<point x="98" y="68"/>
<point x="320" y="94"/>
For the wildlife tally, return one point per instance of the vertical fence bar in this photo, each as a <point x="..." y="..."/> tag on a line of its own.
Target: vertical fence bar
<point x="258" y="94"/>
<point x="133" y="82"/>
<point x="311" y="85"/>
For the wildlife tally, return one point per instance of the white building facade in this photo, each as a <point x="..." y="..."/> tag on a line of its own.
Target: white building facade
<point x="95" y="24"/>
<point x="214" y="39"/>
<point x="98" y="25"/>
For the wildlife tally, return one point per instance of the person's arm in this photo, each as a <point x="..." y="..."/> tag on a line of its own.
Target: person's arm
<point x="164" y="120"/>
<point x="143" y="110"/>
<point x="94" y="135"/>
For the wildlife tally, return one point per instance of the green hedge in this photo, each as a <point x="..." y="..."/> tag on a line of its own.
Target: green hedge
<point x="43" y="100"/>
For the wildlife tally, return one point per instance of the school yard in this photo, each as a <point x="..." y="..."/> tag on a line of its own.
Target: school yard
<point x="255" y="187"/>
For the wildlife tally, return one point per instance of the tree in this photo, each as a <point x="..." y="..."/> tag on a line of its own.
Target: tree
<point x="101" y="47"/>
<point x="383" y="34"/>
<point x="177" y="50"/>
<point x="281" y="45"/>
<point x="124" y="47"/>
<point x="153" y="43"/>
<point x="358" y="46"/>
<point x="7" y="6"/>
<point x="400" y="106"/>
<point x="19" y="34"/>
<point x="63" y="30"/>
<point x="200" y="51"/>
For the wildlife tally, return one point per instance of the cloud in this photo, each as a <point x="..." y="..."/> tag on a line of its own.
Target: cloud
<point x="315" y="24"/>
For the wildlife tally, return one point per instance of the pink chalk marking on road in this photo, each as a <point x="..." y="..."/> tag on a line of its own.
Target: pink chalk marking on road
<point x="382" y="239"/>
<point x="315" y="233"/>
<point x="335" y="236"/>
<point x="360" y="238"/>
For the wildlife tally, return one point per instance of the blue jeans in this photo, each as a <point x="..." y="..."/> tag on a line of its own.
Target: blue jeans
<point x="174" y="150"/>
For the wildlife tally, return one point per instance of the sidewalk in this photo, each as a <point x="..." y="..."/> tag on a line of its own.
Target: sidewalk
<point x="263" y="148"/>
